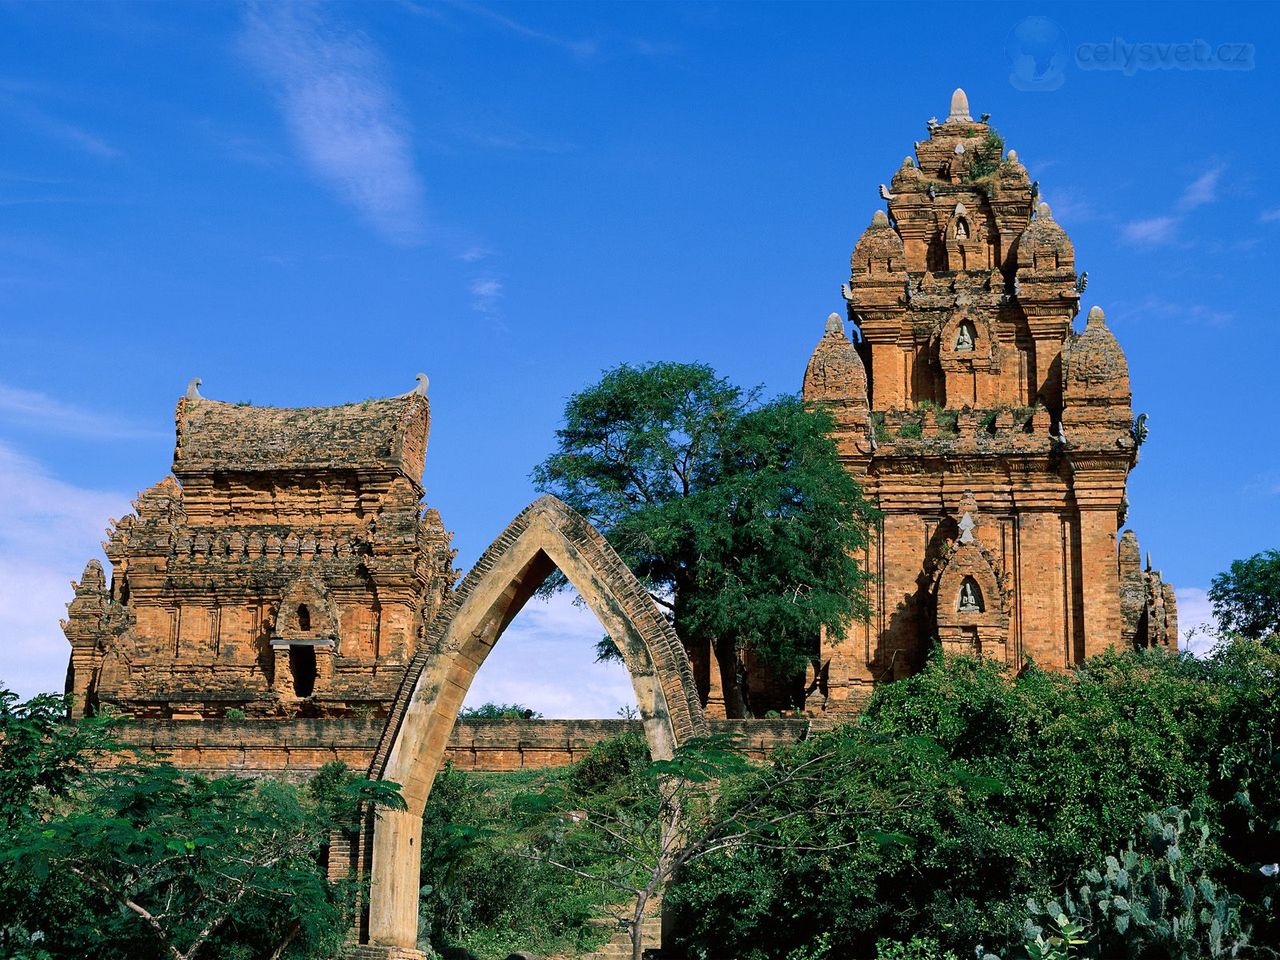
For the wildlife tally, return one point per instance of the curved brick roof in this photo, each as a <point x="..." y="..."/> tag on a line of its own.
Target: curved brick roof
<point x="388" y="434"/>
<point x="1093" y="362"/>
<point x="835" y="370"/>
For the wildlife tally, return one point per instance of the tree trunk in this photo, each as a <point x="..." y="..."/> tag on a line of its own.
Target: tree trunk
<point x="732" y="680"/>
<point x="637" y="926"/>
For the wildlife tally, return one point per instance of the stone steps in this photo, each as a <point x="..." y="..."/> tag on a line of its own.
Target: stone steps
<point x="619" y="945"/>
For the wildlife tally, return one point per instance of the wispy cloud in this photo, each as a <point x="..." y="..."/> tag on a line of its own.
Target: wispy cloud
<point x="486" y="295"/>
<point x="29" y="408"/>
<point x="1152" y="232"/>
<point x="545" y="660"/>
<point x="1203" y="189"/>
<point x="341" y="112"/>
<point x="1152" y="308"/>
<point x="27" y="111"/>
<point x="1270" y="216"/>
<point x="474" y="254"/>
<point x="583" y="49"/>
<point x="1164" y="230"/>
<point x="49" y="529"/>
<point x="1072" y="206"/>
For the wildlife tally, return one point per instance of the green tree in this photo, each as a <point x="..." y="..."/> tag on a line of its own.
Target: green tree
<point x="735" y="512"/>
<point x="1079" y="759"/>
<point x="499" y="711"/>
<point x="1246" y="598"/>
<point x="112" y="857"/>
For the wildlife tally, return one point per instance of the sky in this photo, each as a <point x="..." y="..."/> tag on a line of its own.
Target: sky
<point x="308" y="204"/>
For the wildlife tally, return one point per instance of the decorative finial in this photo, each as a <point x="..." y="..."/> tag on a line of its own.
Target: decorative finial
<point x="1012" y="156"/>
<point x="908" y="161"/>
<point x="193" y="389"/>
<point x="1043" y="212"/>
<point x="1096" y="315"/>
<point x="885" y="194"/>
<point x="880" y="219"/>
<point x="966" y="528"/>
<point x="959" y="150"/>
<point x="421" y="389"/>
<point x="1149" y="567"/>
<point x="959" y="210"/>
<point x="1140" y="430"/>
<point x="834" y="324"/>
<point x="959" y="106"/>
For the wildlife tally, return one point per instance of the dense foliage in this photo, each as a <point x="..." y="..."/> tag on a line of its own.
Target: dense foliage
<point x="499" y="711"/>
<point x="736" y="513"/>
<point x="105" y="856"/>
<point x="1246" y="599"/>
<point x="487" y="890"/>
<point x="1076" y="765"/>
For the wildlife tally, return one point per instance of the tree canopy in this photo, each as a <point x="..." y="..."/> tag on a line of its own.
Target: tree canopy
<point x="735" y="512"/>
<point x="1246" y="598"/>
<point x="107" y="855"/>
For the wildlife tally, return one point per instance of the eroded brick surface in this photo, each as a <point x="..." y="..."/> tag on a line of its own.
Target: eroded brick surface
<point x="285" y="570"/>
<point x="970" y="401"/>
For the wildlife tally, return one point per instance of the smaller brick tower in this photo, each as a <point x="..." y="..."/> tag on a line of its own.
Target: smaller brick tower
<point x="995" y="439"/>
<point x="285" y="570"/>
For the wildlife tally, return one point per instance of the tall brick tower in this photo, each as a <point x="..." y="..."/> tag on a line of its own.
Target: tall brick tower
<point x="995" y="439"/>
<point x="285" y="570"/>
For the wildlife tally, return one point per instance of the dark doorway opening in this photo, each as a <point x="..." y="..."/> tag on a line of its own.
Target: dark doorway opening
<point x="302" y="664"/>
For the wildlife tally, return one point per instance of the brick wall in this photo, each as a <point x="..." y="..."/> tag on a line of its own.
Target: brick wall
<point x="294" y="749"/>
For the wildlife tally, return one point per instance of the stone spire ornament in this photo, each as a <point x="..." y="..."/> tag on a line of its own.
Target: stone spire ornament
<point x="421" y="389"/>
<point x="959" y="107"/>
<point x="193" y="389"/>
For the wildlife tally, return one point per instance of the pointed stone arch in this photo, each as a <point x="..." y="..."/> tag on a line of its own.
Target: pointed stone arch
<point x="547" y="535"/>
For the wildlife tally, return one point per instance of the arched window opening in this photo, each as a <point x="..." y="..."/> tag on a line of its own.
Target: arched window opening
<point x="302" y="664"/>
<point x="304" y="617"/>
<point x="970" y="596"/>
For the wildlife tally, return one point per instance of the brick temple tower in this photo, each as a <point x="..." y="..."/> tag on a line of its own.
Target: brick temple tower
<point x="284" y="570"/>
<point x="995" y="438"/>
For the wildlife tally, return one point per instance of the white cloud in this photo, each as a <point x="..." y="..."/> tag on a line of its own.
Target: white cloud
<point x="1152" y="232"/>
<point x="1197" y="629"/>
<point x="29" y="408"/>
<point x="545" y="660"/>
<point x="1202" y="190"/>
<point x="1270" y="216"/>
<point x="60" y="129"/>
<point x="48" y="531"/>
<point x="486" y="293"/>
<point x="579" y="48"/>
<point x="341" y="113"/>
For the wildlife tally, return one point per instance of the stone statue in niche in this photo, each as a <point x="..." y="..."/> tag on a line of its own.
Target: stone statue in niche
<point x="969" y="602"/>
<point x="962" y="230"/>
<point x="965" y="341"/>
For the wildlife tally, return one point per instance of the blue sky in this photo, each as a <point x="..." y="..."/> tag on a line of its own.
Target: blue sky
<point x="308" y="204"/>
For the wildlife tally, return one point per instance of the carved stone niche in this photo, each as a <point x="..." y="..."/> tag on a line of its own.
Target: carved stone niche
<point x="971" y="604"/>
<point x="304" y="639"/>
<point x="964" y="237"/>
<point x="967" y="343"/>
